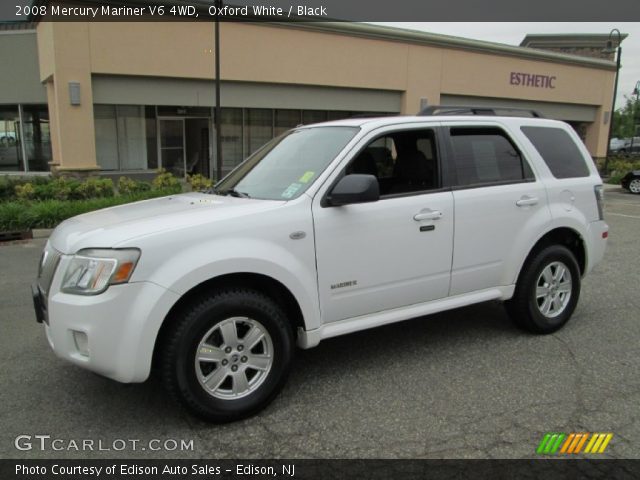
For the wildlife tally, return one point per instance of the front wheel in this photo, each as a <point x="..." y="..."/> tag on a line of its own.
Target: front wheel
<point x="547" y="291"/>
<point x="634" y="186"/>
<point x="228" y="355"/>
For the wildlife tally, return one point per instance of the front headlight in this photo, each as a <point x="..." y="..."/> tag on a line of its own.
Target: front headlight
<point x="92" y="270"/>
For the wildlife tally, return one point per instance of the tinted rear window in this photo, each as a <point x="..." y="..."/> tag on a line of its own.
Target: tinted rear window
<point x="558" y="150"/>
<point x="484" y="155"/>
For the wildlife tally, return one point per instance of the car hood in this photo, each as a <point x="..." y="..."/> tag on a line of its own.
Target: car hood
<point x="110" y="227"/>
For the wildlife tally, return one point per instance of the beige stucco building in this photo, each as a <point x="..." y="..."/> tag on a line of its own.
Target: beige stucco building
<point x="132" y="97"/>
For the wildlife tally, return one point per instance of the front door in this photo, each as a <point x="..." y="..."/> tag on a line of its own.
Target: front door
<point x="172" y="149"/>
<point x="396" y="251"/>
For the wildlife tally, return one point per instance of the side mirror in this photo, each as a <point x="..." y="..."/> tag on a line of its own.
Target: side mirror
<point x="355" y="188"/>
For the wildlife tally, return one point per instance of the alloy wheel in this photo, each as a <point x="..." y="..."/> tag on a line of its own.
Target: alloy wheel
<point x="234" y="358"/>
<point x="553" y="289"/>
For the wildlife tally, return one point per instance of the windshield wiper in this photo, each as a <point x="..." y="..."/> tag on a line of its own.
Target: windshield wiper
<point x="232" y="192"/>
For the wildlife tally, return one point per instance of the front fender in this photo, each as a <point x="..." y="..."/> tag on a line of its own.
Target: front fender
<point x="186" y="269"/>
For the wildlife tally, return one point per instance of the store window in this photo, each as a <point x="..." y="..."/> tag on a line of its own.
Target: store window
<point x="259" y="130"/>
<point x="231" y="133"/>
<point x="338" y="115"/>
<point x="37" y="137"/>
<point x="11" y="159"/>
<point x="285" y="120"/>
<point x="123" y="137"/>
<point x="313" y="116"/>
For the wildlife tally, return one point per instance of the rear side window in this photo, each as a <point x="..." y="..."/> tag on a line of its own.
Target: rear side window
<point x="485" y="155"/>
<point x="558" y="151"/>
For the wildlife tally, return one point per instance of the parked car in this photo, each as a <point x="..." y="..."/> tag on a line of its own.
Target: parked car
<point x="631" y="181"/>
<point x="630" y="147"/>
<point x="314" y="236"/>
<point x="617" y="144"/>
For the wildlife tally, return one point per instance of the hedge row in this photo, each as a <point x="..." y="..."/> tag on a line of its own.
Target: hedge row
<point x="22" y="215"/>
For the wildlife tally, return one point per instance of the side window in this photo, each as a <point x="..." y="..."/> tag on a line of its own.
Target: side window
<point x="403" y="162"/>
<point x="558" y="150"/>
<point x="486" y="155"/>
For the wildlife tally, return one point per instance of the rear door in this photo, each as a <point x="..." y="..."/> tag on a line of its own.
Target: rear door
<point x="500" y="206"/>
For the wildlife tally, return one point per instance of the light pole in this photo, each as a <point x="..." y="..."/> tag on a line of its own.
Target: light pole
<point x="611" y="49"/>
<point x="218" y="110"/>
<point x="636" y="92"/>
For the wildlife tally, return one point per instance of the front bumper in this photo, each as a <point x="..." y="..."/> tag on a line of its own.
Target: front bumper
<point x="112" y="334"/>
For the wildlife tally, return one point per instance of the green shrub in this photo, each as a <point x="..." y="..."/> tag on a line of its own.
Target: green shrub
<point x="199" y="182"/>
<point x="619" y="167"/>
<point x="8" y="184"/>
<point x="95" y="188"/>
<point x="25" y="191"/>
<point x="7" y="189"/>
<point x="14" y="216"/>
<point x="166" y="181"/>
<point x="127" y="186"/>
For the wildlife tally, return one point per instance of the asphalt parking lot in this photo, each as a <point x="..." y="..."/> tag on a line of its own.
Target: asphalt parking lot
<point x="462" y="384"/>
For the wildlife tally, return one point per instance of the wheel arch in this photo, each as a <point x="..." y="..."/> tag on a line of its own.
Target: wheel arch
<point x="565" y="236"/>
<point x="274" y="289"/>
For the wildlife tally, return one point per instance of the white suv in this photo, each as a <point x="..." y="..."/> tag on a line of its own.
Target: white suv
<point x="328" y="229"/>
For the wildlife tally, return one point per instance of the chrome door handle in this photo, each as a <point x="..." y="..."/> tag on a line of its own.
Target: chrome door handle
<point x="428" y="215"/>
<point x="527" y="201"/>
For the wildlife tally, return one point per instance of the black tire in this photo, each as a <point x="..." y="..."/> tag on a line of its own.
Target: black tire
<point x="182" y="375"/>
<point x="525" y="306"/>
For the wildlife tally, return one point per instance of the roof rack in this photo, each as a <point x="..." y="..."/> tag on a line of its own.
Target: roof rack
<point x="436" y="110"/>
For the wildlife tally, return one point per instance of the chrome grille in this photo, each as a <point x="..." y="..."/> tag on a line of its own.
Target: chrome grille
<point x="48" y="264"/>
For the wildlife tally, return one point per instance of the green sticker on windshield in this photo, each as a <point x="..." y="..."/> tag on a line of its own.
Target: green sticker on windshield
<point x="306" y="177"/>
<point x="291" y="190"/>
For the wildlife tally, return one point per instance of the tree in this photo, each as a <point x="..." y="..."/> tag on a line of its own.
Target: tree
<point x="626" y="119"/>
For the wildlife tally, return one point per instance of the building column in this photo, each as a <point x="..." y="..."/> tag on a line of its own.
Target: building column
<point x="65" y="59"/>
<point x="598" y="133"/>
<point x="423" y="79"/>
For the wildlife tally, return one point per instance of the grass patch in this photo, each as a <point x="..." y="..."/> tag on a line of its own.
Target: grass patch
<point x="24" y="215"/>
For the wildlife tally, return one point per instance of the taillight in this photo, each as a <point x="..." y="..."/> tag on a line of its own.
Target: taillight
<point x="599" y="191"/>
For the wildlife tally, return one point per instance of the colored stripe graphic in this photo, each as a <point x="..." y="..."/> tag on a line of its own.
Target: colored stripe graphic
<point x="543" y="443"/>
<point x="573" y="443"/>
<point x="557" y="443"/>
<point x="565" y="447"/>
<point x="598" y="442"/>
<point x="605" y="443"/>
<point x="581" y="443"/>
<point x="550" y="443"/>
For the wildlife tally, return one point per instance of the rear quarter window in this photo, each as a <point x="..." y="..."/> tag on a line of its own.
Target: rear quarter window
<point x="558" y="150"/>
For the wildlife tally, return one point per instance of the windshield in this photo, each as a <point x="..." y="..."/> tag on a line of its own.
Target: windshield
<point x="286" y="166"/>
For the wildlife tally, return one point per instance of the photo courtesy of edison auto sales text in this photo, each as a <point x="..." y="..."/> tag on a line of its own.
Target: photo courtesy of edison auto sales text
<point x="134" y="469"/>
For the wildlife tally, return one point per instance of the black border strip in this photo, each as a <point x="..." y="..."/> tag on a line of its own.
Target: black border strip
<point x="366" y="10"/>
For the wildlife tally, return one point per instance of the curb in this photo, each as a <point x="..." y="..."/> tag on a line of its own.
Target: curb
<point x="42" y="232"/>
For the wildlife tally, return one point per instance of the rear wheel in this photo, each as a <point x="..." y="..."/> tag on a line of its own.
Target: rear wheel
<point x="228" y="355"/>
<point x="634" y="185"/>
<point x="547" y="291"/>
